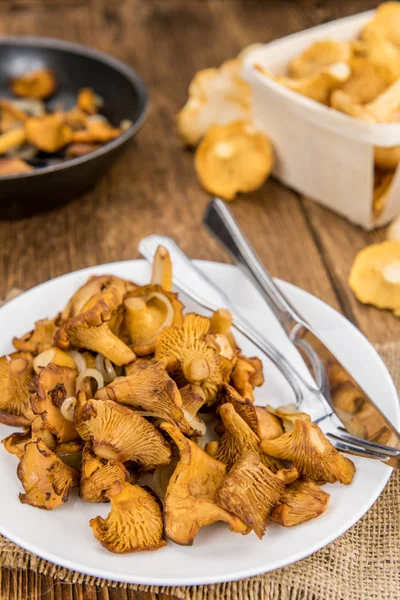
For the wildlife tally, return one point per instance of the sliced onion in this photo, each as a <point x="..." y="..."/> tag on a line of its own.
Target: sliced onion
<point x="68" y="408"/>
<point x="100" y="365"/>
<point x="43" y="359"/>
<point x="195" y="423"/>
<point x="79" y="360"/>
<point x="111" y="374"/>
<point x="94" y="374"/>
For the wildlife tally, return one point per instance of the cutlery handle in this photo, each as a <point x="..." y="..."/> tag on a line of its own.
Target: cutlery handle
<point x="220" y="222"/>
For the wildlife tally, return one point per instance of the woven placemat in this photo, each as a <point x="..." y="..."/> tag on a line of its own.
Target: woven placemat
<point x="363" y="564"/>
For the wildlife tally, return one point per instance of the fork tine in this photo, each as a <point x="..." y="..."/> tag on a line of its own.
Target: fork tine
<point x="344" y="435"/>
<point x="353" y="449"/>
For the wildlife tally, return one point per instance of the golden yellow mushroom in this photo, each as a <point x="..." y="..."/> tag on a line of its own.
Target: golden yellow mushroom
<point x="250" y="491"/>
<point x="385" y="24"/>
<point x="366" y="82"/>
<point x="322" y="53"/>
<point x="98" y="476"/>
<point x="12" y="166"/>
<point x="49" y="133"/>
<point x="375" y="275"/>
<point x="41" y="338"/>
<point x="117" y="433"/>
<point x="16" y="376"/>
<point x="47" y="481"/>
<point x="41" y="84"/>
<point x="134" y="523"/>
<point x="233" y="158"/>
<point x="288" y="415"/>
<point x="15" y="443"/>
<point x="190" y="502"/>
<point x="247" y="373"/>
<point x="302" y="501"/>
<point x="161" y="273"/>
<point x="88" y="101"/>
<point x="311" y="453"/>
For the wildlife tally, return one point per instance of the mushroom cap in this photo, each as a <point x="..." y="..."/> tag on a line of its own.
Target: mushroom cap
<point x="41" y="84"/>
<point x="312" y="453"/>
<point x="15" y="443"/>
<point x="302" y="500"/>
<point x="47" y="481"/>
<point x="11" y="166"/>
<point x="237" y="438"/>
<point x="150" y="389"/>
<point x="233" y="158"/>
<point x="250" y="491"/>
<point x="287" y="415"/>
<point x="386" y="23"/>
<point x="134" y="523"/>
<point x="117" y="433"/>
<point x="148" y="310"/>
<point x="49" y="132"/>
<point x="216" y="97"/>
<point x="40" y="339"/>
<point x="198" y="359"/>
<point x="189" y="502"/>
<point x="246" y="374"/>
<point x="52" y="386"/>
<point x="366" y="82"/>
<point x="375" y="275"/>
<point x="98" y="476"/>
<point x="16" y="376"/>
<point x="382" y="53"/>
<point x="98" y="130"/>
<point x="193" y="398"/>
<point x="93" y="328"/>
<point x="88" y="101"/>
<point x="322" y="53"/>
<point x="10" y="115"/>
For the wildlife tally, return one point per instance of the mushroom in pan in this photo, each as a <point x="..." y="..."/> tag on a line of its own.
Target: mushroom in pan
<point x="49" y="133"/>
<point x="117" y="433"/>
<point x="250" y="491"/>
<point x="98" y="475"/>
<point x="88" y="101"/>
<point x="40" y="84"/>
<point x="198" y="358"/>
<point x="134" y="523"/>
<point x="190" y="501"/>
<point x="16" y="375"/>
<point x="312" y="453"/>
<point x="47" y="481"/>
<point x="237" y="438"/>
<point x="302" y="501"/>
<point x="98" y="130"/>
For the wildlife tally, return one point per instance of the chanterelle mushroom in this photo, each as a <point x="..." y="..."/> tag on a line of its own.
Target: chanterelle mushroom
<point x="16" y="375"/>
<point x="47" y="481"/>
<point x="41" y="84"/>
<point x="15" y="443"/>
<point x="237" y="438"/>
<point x="148" y="310"/>
<point x="118" y="434"/>
<point x="151" y="390"/>
<point x="302" y="500"/>
<point x="134" y="523"/>
<point x="250" y="491"/>
<point x="40" y="339"/>
<point x="312" y="453"/>
<point x="193" y="398"/>
<point x="190" y="498"/>
<point x="198" y="358"/>
<point x="246" y="374"/>
<point x="99" y="475"/>
<point x="53" y="385"/>
<point x="287" y="414"/>
<point x="92" y="328"/>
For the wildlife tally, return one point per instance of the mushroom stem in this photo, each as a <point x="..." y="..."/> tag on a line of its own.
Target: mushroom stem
<point x="162" y="269"/>
<point x="196" y="369"/>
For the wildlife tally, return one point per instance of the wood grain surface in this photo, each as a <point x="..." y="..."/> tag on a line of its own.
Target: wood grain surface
<point x="153" y="188"/>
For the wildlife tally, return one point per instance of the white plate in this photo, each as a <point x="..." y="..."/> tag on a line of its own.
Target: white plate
<point x="64" y="537"/>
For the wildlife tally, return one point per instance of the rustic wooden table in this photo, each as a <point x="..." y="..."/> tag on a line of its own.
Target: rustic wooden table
<point x="153" y="188"/>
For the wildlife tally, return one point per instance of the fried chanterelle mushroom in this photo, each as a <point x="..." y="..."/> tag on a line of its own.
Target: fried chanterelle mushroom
<point x="99" y="475"/>
<point x="53" y="386"/>
<point x="148" y="310"/>
<point x="237" y="438"/>
<point x="198" y="357"/>
<point x="302" y="501"/>
<point x="250" y="491"/>
<point x="151" y="390"/>
<point x="47" y="481"/>
<point x="134" y="523"/>
<point x="40" y="339"/>
<point x="93" y="328"/>
<point x="247" y="374"/>
<point x="16" y="375"/>
<point x="118" y="434"/>
<point x="36" y="84"/>
<point x="312" y="453"/>
<point x="190" y="498"/>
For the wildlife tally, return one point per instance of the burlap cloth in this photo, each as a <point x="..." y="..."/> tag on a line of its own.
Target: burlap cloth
<point x="363" y="564"/>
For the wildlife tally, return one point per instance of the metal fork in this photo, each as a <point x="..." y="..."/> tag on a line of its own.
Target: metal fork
<point x="191" y="281"/>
